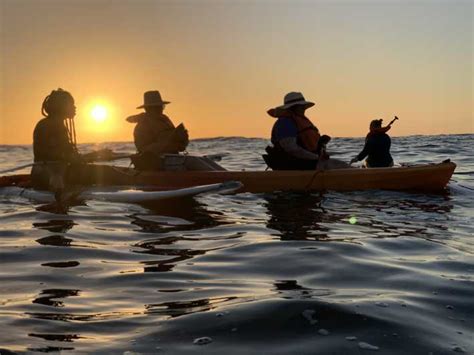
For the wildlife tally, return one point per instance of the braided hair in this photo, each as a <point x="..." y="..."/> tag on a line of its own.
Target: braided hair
<point x="53" y="103"/>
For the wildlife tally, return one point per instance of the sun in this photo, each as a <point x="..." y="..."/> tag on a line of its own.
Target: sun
<point x="99" y="113"/>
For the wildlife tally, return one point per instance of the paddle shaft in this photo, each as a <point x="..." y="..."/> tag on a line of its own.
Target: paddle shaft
<point x="16" y="168"/>
<point x="11" y="170"/>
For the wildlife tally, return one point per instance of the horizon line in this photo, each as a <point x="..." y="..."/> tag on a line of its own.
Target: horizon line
<point x="244" y="137"/>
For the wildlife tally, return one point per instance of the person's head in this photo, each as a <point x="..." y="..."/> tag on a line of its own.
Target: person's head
<point x="298" y="109"/>
<point x="295" y="102"/>
<point x="59" y="104"/>
<point x="374" y="124"/>
<point x="153" y="103"/>
<point x="154" y="110"/>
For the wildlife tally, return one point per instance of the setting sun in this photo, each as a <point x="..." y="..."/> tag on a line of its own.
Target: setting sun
<point x="99" y="113"/>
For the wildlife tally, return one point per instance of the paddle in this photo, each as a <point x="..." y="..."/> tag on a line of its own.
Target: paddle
<point x="392" y="121"/>
<point x="89" y="157"/>
<point x="16" y="168"/>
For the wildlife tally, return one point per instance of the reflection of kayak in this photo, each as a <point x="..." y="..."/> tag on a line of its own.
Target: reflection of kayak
<point x="130" y="196"/>
<point x="432" y="177"/>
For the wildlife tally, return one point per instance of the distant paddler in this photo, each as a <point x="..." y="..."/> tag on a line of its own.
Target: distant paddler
<point x="377" y="146"/>
<point x="54" y="144"/>
<point x="159" y="143"/>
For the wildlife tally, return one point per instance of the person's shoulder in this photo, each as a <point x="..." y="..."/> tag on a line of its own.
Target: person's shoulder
<point x="286" y="124"/>
<point x="378" y="137"/>
<point x="285" y="127"/>
<point x="43" y="123"/>
<point x="138" y="118"/>
<point x="286" y="120"/>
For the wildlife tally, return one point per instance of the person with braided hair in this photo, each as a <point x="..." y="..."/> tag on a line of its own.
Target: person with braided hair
<point x="54" y="135"/>
<point x="54" y="143"/>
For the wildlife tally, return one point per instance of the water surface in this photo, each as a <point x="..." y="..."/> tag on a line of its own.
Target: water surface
<point x="256" y="273"/>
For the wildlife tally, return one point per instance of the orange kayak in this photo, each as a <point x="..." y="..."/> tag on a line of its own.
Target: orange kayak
<point x="432" y="177"/>
<point x="429" y="178"/>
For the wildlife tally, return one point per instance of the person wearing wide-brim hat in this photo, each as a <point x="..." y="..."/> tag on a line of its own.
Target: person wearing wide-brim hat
<point x="153" y="98"/>
<point x="294" y="136"/>
<point x="297" y="144"/>
<point x="155" y="136"/>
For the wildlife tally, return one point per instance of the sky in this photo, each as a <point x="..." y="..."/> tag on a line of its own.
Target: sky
<point x="224" y="63"/>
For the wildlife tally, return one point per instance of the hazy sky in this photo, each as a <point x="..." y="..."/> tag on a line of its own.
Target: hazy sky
<point x="224" y="63"/>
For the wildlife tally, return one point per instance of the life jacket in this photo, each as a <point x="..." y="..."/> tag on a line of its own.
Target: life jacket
<point x="308" y="135"/>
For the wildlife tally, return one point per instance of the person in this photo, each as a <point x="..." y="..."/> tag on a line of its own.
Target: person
<point x="159" y="142"/>
<point x="377" y="146"/>
<point x="297" y="143"/>
<point x="54" y="143"/>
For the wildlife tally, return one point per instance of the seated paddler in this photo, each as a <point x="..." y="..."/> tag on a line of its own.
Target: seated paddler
<point x="54" y="144"/>
<point x="159" y="143"/>
<point x="297" y="143"/>
<point x="377" y="146"/>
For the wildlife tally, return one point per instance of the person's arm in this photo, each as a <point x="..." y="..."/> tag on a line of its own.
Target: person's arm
<point x="364" y="152"/>
<point x="285" y="134"/>
<point x="290" y="146"/>
<point x="40" y="143"/>
<point x="146" y="143"/>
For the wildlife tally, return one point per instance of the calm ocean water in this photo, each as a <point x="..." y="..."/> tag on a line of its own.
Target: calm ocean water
<point x="280" y="273"/>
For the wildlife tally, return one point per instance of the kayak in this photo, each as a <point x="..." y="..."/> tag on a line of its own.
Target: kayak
<point x="423" y="178"/>
<point x="128" y="196"/>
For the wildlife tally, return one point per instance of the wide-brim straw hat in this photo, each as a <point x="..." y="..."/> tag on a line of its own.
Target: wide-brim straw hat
<point x="152" y="98"/>
<point x="293" y="99"/>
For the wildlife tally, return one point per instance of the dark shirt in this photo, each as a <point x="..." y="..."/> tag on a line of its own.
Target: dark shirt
<point x="51" y="142"/>
<point x="284" y="127"/>
<point x="377" y="151"/>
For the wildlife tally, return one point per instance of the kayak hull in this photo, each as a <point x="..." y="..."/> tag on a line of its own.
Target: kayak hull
<point x="423" y="178"/>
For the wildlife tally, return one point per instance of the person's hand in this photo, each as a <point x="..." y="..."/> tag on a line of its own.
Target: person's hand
<point x="354" y="160"/>
<point x="182" y="136"/>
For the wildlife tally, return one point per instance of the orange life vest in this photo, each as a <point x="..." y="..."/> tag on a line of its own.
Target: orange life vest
<point x="308" y="135"/>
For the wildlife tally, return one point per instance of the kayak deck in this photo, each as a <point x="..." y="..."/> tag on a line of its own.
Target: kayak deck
<point x="429" y="178"/>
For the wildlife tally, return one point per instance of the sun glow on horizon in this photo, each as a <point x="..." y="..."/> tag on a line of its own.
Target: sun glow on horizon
<point x="99" y="113"/>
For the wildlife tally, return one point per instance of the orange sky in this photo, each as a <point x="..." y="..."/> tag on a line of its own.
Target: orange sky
<point x="223" y="63"/>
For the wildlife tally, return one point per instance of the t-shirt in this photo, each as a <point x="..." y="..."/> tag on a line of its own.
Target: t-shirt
<point x="283" y="128"/>
<point x="51" y="142"/>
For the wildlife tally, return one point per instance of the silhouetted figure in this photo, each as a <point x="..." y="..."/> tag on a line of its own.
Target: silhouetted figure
<point x="377" y="146"/>
<point x="158" y="141"/>
<point x="54" y="141"/>
<point x="55" y="149"/>
<point x="297" y="144"/>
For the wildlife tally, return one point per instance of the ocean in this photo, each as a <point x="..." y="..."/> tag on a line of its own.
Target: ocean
<point x="282" y="273"/>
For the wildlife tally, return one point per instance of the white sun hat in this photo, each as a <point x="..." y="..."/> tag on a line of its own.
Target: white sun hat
<point x="295" y="98"/>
